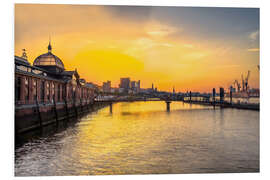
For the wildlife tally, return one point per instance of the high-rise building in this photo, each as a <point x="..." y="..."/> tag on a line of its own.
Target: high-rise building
<point x="125" y="84"/>
<point x="106" y="86"/>
<point x="135" y="86"/>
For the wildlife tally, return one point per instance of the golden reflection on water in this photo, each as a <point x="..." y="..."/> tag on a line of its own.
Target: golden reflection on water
<point x="142" y="138"/>
<point x="132" y="131"/>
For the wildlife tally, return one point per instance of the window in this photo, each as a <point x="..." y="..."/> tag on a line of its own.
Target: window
<point x="48" y="91"/>
<point x="68" y="95"/>
<point x="53" y="91"/>
<point x="73" y="91"/>
<point x="17" y="88"/>
<point x="42" y="91"/>
<point x="34" y="89"/>
<point x="22" y="68"/>
<point x="36" y="71"/>
<point x="26" y="90"/>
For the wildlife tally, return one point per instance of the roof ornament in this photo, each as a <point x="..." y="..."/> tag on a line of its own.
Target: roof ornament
<point x="24" y="56"/>
<point x="49" y="46"/>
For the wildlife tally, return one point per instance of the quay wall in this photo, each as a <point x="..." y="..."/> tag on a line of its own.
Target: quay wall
<point x="255" y="107"/>
<point x="31" y="117"/>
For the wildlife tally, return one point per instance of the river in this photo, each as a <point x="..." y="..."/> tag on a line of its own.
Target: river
<point x="142" y="138"/>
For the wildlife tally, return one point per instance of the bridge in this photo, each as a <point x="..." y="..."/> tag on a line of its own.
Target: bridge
<point x="113" y="99"/>
<point x="201" y="100"/>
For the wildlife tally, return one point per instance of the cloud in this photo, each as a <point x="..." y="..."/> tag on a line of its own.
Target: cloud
<point x="167" y="45"/>
<point x="230" y="66"/>
<point x="144" y="45"/>
<point x="196" y="55"/>
<point x="254" y="35"/>
<point x="253" y="50"/>
<point x="158" y="33"/>
<point x="112" y="47"/>
<point x="157" y="29"/>
<point x="130" y="13"/>
<point x="188" y="45"/>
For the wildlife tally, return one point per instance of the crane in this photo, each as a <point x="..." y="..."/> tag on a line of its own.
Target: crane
<point x="243" y="83"/>
<point x="246" y="81"/>
<point x="236" y="83"/>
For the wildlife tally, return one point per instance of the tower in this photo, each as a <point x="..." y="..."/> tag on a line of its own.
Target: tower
<point x="24" y="56"/>
<point x="49" y="46"/>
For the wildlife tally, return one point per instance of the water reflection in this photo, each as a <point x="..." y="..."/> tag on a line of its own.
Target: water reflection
<point x="142" y="138"/>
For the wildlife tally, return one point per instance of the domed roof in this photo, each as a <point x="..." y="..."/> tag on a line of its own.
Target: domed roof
<point x="49" y="59"/>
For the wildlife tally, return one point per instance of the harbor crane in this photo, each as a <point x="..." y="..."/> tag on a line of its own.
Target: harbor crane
<point x="237" y="85"/>
<point x="246" y="81"/>
<point x="243" y="83"/>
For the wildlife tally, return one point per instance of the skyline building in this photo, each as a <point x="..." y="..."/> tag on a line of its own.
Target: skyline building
<point x="106" y="87"/>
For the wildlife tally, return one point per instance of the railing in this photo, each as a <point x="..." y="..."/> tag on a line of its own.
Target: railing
<point x="133" y="98"/>
<point x="225" y="103"/>
<point x="33" y="103"/>
<point x="226" y="100"/>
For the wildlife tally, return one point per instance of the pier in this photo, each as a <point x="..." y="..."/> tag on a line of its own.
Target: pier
<point x="225" y="104"/>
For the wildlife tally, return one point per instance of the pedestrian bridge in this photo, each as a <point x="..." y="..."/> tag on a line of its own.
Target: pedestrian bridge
<point x="168" y="100"/>
<point x="112" y="100"/>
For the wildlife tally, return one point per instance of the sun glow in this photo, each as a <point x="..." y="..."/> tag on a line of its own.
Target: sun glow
<point x="105" y="45"/>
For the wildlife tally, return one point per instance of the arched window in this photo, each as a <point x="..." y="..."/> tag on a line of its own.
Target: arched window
<point x="73" y="92"/>
<point x="48" y="91"/>
<point x="26" y="90"/>
<point x="53" y="91"/>
<point x="34" y="86"/>
<point x="42" y="91"/>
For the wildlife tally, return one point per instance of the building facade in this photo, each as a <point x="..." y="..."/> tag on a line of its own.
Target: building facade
<point x="124" y="84"/>
<point x="46" y="87"/>
<point x="106" y="87"/>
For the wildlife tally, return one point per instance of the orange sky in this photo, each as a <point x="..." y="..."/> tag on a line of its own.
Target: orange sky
<point x="190" y="51"/>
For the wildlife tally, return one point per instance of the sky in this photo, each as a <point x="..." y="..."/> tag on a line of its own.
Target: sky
<point x="188" y="48"/>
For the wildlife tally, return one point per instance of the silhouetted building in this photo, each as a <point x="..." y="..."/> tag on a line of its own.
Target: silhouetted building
<point x="221" y="94"/>
<point x="125" y="84"/>
<point x="135" y="86"/>
<point x="106" y="87"/>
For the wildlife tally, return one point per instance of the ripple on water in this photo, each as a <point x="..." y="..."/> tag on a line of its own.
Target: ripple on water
<point x="142" y="138"/>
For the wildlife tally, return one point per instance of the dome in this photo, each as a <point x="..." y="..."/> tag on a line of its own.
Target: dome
<point x="49" y="59"/>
